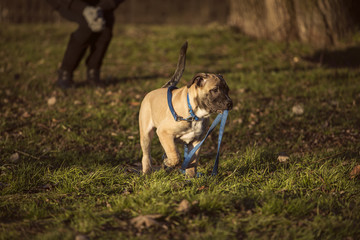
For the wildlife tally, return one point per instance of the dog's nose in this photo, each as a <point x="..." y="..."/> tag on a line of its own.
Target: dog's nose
<point x="229" y="105"/>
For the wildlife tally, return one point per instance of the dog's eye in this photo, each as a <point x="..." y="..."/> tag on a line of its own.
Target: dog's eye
<point x="215" y="90"/>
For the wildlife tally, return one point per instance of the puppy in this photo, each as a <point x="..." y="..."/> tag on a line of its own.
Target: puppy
<point x="208" y="93"/>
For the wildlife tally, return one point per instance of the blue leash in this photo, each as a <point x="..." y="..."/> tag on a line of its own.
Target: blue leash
<point x="221" y="117"/>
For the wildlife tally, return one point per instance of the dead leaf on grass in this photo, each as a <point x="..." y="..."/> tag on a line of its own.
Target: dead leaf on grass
<point x="184" y="206"/>
<point x="134" y="104"/>
<point x="355" y="172"/>
<point x="26" y="115"/>
<point x="146" y="221"/>
<point x="283" y="157"/>
<point x="238" y="121"/>
<point x="14" y="157"/>
<point x="298" y="109"/>
<point x="81" y="237"/>
<point x="51" y="101"/>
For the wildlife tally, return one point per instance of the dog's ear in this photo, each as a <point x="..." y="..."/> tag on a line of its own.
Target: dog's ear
<point x="220" y="76"/>
<point x="198" y="79"/>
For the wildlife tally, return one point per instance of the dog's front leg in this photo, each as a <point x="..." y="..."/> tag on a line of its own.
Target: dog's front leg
<point x="145" y="141"/>
<point x="168" y="143"/>
<point x="191" y="170"/>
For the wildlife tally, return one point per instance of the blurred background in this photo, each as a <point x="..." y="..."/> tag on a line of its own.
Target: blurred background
<point x="321" y="23"/>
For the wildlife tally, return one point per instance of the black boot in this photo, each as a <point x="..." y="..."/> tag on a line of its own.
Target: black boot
<point x="93" y="77"/>
<point x="65" y="79"/>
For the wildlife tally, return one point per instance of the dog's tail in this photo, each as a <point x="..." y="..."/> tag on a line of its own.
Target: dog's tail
<point x="179" y="68"/>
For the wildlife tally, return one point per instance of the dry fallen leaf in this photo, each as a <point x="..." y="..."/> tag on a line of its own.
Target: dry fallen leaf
<point x="81" y="237"/>
<point x="146" y="221"/>
<point x="51" y="101"/>
<point x="355" y="172"/>
<point x="134" y="104"/>
<point x="14" y="157"/>
<point x="184" y="206"/>
<point x="238" y="121"/>
<point x="298" y="109"/>
<point x="26" y="115"/>
<point x="283" y="157"/>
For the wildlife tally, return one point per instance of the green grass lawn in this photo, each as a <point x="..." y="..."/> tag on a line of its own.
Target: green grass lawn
<point x="70" y="160"/>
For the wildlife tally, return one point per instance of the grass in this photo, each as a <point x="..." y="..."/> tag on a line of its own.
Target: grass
<point x="71" y="168"/>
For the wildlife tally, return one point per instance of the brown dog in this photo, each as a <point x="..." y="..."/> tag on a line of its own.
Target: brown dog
<point x="208" y="93"/>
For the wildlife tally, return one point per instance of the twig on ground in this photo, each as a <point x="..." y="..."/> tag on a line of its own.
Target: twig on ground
<point x="26" y="154"/>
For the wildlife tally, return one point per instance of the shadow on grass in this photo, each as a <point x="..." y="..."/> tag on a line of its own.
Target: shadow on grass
<point x="111" y="81"/>
<point x="88" y="159"/>
<point x="344" y="58"/>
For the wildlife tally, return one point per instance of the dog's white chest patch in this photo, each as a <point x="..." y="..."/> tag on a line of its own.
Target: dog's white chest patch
<point x="193" y="132"/>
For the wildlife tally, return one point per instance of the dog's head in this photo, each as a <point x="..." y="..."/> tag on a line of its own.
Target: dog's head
<point x="212" y="92"/>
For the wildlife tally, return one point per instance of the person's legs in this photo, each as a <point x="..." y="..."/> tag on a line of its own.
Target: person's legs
<point x="76" y="48"/>
<point x="99" y="44"/>
<point x="78" y="43"/>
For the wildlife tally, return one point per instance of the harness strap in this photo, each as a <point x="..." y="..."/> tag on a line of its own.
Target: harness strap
<point x="178" y="118"/>
<point x="190" y="109"/>
<point x="169" y="99"/>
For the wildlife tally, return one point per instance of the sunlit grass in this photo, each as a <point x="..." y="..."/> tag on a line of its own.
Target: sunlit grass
<point x="72" y="167"/>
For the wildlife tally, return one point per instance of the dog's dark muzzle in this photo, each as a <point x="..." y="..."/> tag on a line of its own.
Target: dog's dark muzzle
<point x="229" y="105"/>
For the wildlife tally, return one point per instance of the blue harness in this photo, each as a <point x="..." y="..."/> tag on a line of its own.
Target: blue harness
<point x="221" y="117"/>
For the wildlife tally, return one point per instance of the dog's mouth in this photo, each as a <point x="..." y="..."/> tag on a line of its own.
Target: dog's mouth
<point x="221" y="110"/>
<point x="228" y="106"/>
<point x="216" y="106"/>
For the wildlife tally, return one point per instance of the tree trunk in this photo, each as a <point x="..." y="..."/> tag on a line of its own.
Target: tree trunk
<point x="321" y="23"/>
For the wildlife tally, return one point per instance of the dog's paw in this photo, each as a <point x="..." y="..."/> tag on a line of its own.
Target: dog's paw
<point x="147" y="171"/>
<point x="191" y="173"/>
<point x="168" y="169"/>
<point x="171" y="163"/>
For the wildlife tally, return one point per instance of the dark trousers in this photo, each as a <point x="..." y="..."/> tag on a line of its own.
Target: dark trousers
<point x="83" y="38"/>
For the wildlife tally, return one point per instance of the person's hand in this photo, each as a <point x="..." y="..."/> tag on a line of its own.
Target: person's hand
<point x="94" y="18"/>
